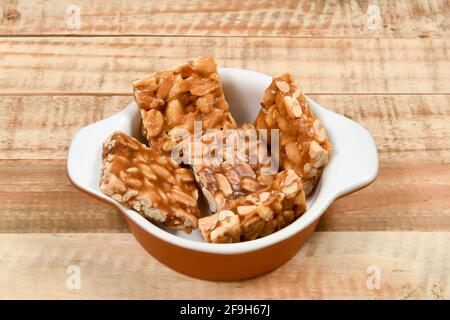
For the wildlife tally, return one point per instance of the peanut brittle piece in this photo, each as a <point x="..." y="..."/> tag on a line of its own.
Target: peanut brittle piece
<point x="175" y="98"/>
<point x="257" y="214"/>
<point x="304" y="145"/>
<point x="241" y="175"/>
<point x="150" y="183"/>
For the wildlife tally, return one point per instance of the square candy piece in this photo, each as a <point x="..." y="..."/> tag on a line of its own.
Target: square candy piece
<point x="150" y="183"/>
<point x="242" y="169"/>
<point x="304" y="145"/>
<point x="175" y="98"/>
<point x="258" y="214"/>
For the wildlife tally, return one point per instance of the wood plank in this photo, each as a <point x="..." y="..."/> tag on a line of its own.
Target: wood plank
<point x="227" y="18"/>
<point x="406" y="196"/>
<point x="332" y="265"/>
<point x="36" y="196"/>
<point x="99" y="65"/>
<point x="42" y="126"/>
<point x="411" y="133"/>
<point x="405" y="127"/>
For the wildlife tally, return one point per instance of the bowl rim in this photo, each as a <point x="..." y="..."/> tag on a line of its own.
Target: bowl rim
<point x="297" y="226"/>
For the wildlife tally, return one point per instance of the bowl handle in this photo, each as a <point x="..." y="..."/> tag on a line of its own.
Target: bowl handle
<point x="354" y="161"/>
<point x="84" y="154"/>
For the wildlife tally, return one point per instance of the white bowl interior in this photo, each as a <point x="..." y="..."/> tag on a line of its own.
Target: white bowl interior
<point x="354" y="162"/>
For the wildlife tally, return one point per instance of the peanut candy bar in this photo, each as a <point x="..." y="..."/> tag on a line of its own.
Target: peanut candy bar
<point x="258" y="214"/>
<point x="175" y="98"/>
<point x="235" y="177"/>
<point x="150" y="183"/>
<point x="304" y="145"/>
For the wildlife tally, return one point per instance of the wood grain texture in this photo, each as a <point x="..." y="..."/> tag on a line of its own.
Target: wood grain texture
<point x="106" y="65"/>
<point x="412" y="191"/>
<point x="42" y="126"/>
<point x="405" y="127"/>
<point x="36" y="196"/>
<point x="227" y="18"/>
<point x="331" y="265"/>
<point x="405" y="196"/>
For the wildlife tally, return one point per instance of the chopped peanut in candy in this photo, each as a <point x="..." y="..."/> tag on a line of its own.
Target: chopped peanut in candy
<point x="173" y="99"/>
<point x="257" y="214"/>
<point x="233" y="178"/>
<point x="304" y="145"/>
<point x="221" y="227"/>
<point x="149" y="182"/>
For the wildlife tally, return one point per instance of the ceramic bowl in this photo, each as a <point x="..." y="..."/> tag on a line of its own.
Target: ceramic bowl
<point x="353" y="165"/>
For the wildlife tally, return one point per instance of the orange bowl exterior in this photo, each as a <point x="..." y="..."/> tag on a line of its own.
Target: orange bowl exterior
<point x="223" y="267"/>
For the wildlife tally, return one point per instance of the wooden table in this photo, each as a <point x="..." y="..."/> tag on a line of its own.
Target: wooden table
<point x="395" y="80"/>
